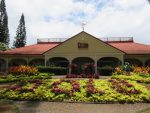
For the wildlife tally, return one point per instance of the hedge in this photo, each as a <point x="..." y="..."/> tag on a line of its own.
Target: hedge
<point x="105" y="71"/>
<point x="54" y="70"/>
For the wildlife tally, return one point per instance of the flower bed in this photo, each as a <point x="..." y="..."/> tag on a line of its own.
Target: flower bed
<point x="134" y="77"/>
<point x="141" y="71"/>
<point x="88" y="90"/>
<point x="23" y="70"/>
<point x="15" y="78"/>
<point x="123" y="86"/>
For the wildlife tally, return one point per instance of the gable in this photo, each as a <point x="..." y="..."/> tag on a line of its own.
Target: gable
<point x="83" y="43"/>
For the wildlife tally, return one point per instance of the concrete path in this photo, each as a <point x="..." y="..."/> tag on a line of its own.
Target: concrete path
<point x="60" y="107"/>
<point x="64" y="76"/>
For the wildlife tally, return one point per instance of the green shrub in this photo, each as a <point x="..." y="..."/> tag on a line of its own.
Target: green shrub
<point x="54" y="70"/>
<point x="23" y="70"/>
<point x="3" y="46"/>
<point x="14" y="78"/>
<point x="142" y="71"/>
<point x="106" y="70"/>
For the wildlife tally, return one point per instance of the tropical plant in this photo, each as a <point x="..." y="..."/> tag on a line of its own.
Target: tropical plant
<point x="23" y="70"/>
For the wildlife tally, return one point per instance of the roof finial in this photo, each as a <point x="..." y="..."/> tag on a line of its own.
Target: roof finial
<point x="83" y="24"/>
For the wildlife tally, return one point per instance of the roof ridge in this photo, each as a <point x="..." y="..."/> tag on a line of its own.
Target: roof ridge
<point x="141" y="44"/>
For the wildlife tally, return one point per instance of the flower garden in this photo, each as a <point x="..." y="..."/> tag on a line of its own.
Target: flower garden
<point x="112" y="90"/>
<point x="24" y="73"/>
<point x="138" y="74"/>
<point x="29" y="84"/>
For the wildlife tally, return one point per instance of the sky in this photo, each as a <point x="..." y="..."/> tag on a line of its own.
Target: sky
<point x="63" y="18"/>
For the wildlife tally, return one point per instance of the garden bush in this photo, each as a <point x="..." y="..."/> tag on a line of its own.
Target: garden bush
<point x="12" y="78"/>
<point x="23" y="70"/>
<point x="87" y="68"/>
<point x="88" y="90"/>
<point x="3" y="46"/>
<point x="106" y="70"/>
<point x="54" y="70"/>
<point x="141" y="71"/>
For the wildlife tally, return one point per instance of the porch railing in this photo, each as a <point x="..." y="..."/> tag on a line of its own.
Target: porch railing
<point x="105" y="39"/>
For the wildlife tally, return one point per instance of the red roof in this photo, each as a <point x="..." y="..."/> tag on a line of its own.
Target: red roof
<point x="39" y="49"/>
<point x="1" y="52"/>
<point x="132" y="48"/>
<point x="36" y="49"/>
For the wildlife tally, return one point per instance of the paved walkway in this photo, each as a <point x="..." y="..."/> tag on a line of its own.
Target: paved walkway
<point x="60" y="107"/>
<point x="64" y="76"/>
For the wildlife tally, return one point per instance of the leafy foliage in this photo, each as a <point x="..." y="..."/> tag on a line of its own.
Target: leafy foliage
<point x="87" y="69"/>
<point x="105" y="70"/>
<point x="4" y="31"/>
<point x="134" y="77"/>
<point x="3" y="46"/>
<point x="20" y="34"/>
<point x="15" y="78"/>
<point x="55" y="70"/>
<point x="23" y="70"/>
<point x="142" y="71"/>
<point x="89" y="90"/>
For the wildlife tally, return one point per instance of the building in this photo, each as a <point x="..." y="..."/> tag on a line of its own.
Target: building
<point x="79" y="49"/>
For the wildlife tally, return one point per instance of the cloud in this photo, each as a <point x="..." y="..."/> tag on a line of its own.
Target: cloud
<point x="62" y="18"/>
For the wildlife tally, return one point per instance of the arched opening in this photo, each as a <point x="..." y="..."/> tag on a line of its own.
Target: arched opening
<point x="84" y="65"/>
<point x="134" y="62"/>
<point x="106" y="65"/>
<point x="58" y="62"/>
<point x="80" y="61"/>
<point x="2" y="65"/>
<point x="37" y="62"/>
<point x="147" y="63"/>
<point x="17" y="62"/>
<point x="108" y="61"/>
<point x="58" y="65"/>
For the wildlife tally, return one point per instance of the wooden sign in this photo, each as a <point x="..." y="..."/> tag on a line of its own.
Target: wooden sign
<point x="82" y="45"/>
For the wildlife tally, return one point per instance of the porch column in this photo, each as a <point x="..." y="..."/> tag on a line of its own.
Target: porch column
<point x="27" y="61"/>
<point x="143" y="63"/>
<point x="7" y="64"/>
<point x="95" y="60"/>
<point x="122" y="60"/>
<point x="45" y="61"/>
<point x="70" y="61"/>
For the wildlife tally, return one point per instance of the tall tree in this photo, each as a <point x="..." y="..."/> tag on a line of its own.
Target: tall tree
<point x="4" y="31"/>
<point x="20" y="39"/>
